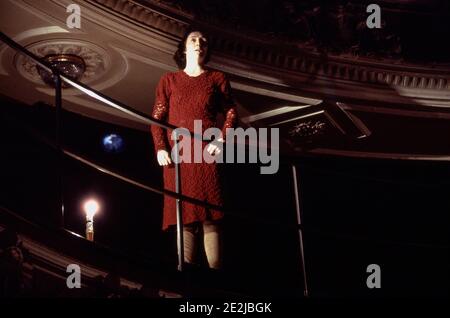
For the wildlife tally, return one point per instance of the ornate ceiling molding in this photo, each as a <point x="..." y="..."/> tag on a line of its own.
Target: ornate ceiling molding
<point x="265" y="53"/>
<point x="172" y="23"/>
<point x="97" y="59"/>
<point x="357" y="77"/>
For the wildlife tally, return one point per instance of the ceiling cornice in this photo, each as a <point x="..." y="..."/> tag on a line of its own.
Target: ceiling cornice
<point x="261" y="56"/>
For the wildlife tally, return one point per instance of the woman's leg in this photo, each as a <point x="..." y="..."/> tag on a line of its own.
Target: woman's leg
<point x="190" y="246"/>
<point x="212" y="239"/>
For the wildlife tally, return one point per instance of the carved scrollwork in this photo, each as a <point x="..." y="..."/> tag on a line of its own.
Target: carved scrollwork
<point x="96" y="58"/>
<point x="311" y="30"/>
<point x="308" y="129"/>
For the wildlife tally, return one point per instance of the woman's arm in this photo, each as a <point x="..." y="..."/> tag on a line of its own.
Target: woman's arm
<point x="160" y="111"/>
<point x="228" y="108"/>
<point x="228" y="105"/>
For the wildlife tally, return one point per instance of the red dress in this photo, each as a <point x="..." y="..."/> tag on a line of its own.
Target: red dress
<point x="181" y="99"/>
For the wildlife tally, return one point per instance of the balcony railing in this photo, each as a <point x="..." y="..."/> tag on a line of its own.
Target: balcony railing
<point x="110" y="102"/>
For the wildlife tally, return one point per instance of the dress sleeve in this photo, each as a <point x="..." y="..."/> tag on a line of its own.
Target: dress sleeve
<point x="160" y="111"/>
<point x="228" y="106"/>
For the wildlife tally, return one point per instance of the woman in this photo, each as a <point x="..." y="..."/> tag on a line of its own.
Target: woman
<point x="193" y="93"/>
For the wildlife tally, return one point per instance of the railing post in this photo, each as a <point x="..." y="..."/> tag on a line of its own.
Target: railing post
<point x="58" y="105"/>
<point x="300" y="230"/>
<point x="180" y="239"/>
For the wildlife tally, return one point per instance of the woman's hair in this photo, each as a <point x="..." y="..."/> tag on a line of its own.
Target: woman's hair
<point x="180" y="54"/>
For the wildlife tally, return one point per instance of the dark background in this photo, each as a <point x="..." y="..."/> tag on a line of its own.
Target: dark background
<point x="355" y="212"/>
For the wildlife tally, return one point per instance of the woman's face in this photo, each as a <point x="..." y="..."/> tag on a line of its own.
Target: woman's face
<point x="196" y="46"/>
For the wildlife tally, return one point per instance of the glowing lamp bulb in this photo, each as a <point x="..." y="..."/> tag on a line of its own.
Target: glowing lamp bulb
<point x="90" y="208"/>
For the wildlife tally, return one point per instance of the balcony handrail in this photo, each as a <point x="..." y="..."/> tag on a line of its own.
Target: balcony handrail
<point x="126" y="179"/>
<point x="86" y="89"/>
<point x="128" y="110"/>
<point x="117" y="105"/>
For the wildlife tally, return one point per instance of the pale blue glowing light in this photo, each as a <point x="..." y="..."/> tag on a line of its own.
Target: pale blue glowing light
<point x="113" y="143"/>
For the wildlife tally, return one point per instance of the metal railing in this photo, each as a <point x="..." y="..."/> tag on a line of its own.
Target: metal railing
<point x="177" y="195"/>
<point x="59" y="77"/>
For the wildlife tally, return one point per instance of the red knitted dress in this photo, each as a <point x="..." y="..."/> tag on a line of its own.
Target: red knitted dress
<point x="181" y="99"/>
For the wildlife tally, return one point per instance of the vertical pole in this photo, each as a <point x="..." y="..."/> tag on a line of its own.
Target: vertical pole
<point x="90" y="228"/>
<point x="300" y="230"/>
<point x="180" y="240"/>
<point x="58" y="105"/>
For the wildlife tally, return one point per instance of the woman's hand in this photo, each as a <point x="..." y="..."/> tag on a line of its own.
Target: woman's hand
<point x="214" y="149"/>
<point x="163" y="158"/>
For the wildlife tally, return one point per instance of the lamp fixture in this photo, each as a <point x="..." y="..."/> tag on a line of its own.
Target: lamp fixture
<point x="69" y="65"/>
